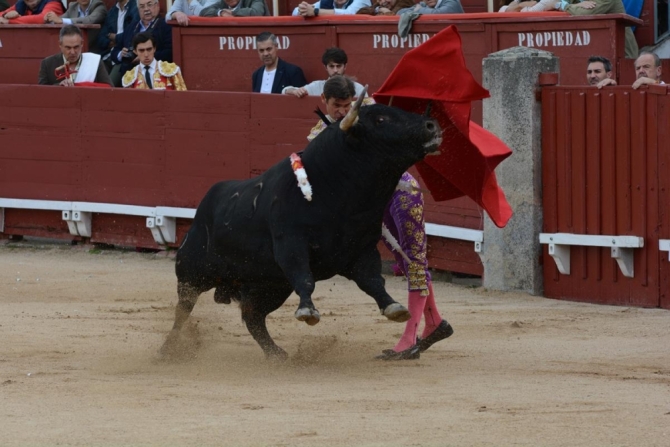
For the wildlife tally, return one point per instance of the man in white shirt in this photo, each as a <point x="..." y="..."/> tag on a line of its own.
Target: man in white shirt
<point x="335" y="60"/>
<point x="326" y="4"/>
<point x="275" y="74"/>
<point x="181" y="9"/>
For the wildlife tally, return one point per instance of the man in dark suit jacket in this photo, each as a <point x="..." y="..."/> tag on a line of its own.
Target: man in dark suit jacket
<point x="111" y="32"/>
<point x="149" y="22"/>
<point x="84" y="67"/>
<point x="275" y="74"/>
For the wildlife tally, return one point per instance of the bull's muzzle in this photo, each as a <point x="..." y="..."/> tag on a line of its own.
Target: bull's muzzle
<point x="352" y="116"/>
<point x="433" y="145"/>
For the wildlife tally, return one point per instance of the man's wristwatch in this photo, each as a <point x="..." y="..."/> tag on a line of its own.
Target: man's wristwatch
<point x="316" y="12"/>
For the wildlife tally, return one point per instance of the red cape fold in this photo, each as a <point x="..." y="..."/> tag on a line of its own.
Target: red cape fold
<point x="435" y="72"/>
<point x="92" y="84"/>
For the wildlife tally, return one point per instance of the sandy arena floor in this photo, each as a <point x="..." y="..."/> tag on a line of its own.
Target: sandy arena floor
<point x="80" y="333"/>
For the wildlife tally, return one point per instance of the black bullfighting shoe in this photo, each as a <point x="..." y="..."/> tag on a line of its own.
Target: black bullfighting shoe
<point x="442" y="331"/>
<point x="411" y="353"/>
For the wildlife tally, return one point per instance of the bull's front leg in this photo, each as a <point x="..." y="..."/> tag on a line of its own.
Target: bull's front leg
<point x="292" y="255"/>
<point x="366" y="271"/>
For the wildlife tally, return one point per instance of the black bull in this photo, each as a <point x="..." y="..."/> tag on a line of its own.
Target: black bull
<point x="256" y="241"/>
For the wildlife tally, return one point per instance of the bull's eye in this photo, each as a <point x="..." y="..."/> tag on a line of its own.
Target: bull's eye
<point x="380" y="119"/>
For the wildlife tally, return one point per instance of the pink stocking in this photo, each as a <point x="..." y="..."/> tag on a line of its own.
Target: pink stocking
<point x="430" y="313"/>
<point x="415" y="303"/>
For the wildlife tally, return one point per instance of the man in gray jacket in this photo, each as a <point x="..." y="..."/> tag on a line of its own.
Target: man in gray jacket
<point x="83" y="12"/>
<point x="236" y="8"/>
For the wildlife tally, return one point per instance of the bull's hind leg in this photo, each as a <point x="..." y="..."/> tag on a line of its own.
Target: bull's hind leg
<point x="188" y="296"/>
<point x="256" y="305"/>
<point x="366" y="272"/>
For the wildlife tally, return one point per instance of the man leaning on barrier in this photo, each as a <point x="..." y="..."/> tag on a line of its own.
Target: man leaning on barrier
<point x="599" y="71"/>
<point x="236" y="8"/>
<point x="335" y="61"/>
<point x="82" y="12"/>
<point x="30" y="11"/>
<point x="647" y="71"/>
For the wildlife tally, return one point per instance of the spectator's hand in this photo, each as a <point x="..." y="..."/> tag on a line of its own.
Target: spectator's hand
<point x="66" y="83"/>
<point x="180" y="17"/>
<point x="306" y="10"/>
<point x="226" y="13"/>
<point x="112" y="40"/>
<point x="528" y="4"/>
<point x="588" y="4"/>
<point x="299" y="92"/>
<point x="52" y="17"/>
<point x="12" y="15"/>
<point x="383" y="11"/>
<point x="606" y="81"/>
<point x="126" y="53"/>
<point x="3" y="21"/>
<point x="642" y="81"/>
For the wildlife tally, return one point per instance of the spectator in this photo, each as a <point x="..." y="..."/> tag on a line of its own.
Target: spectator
<point x="71" y="66"/>
<point x="150" y="73"/>
<point x="30" y="11"/>
<point x="327" y="4"/>
<point x="598" y="70"/>
<point x="236" y="8"/>
<point x="275" y="74"/>
<point x="435" y="7"/>
<point x="120" y="17"/>
<point x="149" y="21"/>
<point x="386" y="7"/>
<point x="588" y="7"/>
<point x="313" y="10"/>
<point x="82" y="12"/>
<point x="335" y="61"/>
<point x="647" y="71"/>
<point x="181" y="9"/>
<point x="531" y="6"/>
<point x="4" y="4"/>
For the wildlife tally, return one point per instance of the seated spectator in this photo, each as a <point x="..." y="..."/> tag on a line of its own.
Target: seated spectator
<point x="335" y="61"/>
<point x="71" y="66"/>
<point x="323" y="7"/>
<point x="149" y="21"/>
<point x="531" y="6"/>
<point x="236" y="8"/>
<point x="327" y="4"/>
<point x="435" y="7"/>
<point x="4" y="4"/>
<point x="82" y="12"/>
<point x="588" y="7"/>
<point x="30" y="11"/>
<point x="275" y="74"/>
<point x="150" y="73"/>
<point x="598" y="71"/>
<point x="181" y="9"/>
<point x="386" y="7"/>
<point x="120" y="17"/>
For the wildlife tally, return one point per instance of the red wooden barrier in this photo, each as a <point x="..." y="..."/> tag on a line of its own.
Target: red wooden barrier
<point x="22" y="48"/>
<point x="605" y="160"/>
<point x="219" y="54"/>
<point x="153" y="149"/>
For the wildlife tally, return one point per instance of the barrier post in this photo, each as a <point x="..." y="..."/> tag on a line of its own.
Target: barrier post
<point x="511" y="256"/>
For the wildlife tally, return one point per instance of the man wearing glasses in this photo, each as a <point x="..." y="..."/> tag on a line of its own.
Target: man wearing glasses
<point x="149" y="21"/>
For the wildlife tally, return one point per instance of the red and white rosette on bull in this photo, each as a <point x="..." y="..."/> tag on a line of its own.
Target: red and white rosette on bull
<point x="301" y="175"/>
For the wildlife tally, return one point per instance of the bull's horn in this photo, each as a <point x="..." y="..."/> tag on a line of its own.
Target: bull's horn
<point x="352" y="115"/>
<point x="429" y="107"/>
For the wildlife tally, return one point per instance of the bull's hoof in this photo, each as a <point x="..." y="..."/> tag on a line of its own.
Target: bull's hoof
<point x="309" y="316"/>
<point x="276" y="354"/>
<point x="396" y="312"/>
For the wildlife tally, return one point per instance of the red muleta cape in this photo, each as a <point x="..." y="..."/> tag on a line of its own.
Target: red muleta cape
<point x="435" y="73"/>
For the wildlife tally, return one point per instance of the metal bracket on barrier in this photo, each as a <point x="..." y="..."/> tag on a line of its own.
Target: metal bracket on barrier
<point x="621" y="248"/>
<point x="2" y="220"/>
<point x="463" y="234"/>
<point x="163" y="229"/>
<point x="663" y="245"/>
<point x="78" y="222"/>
